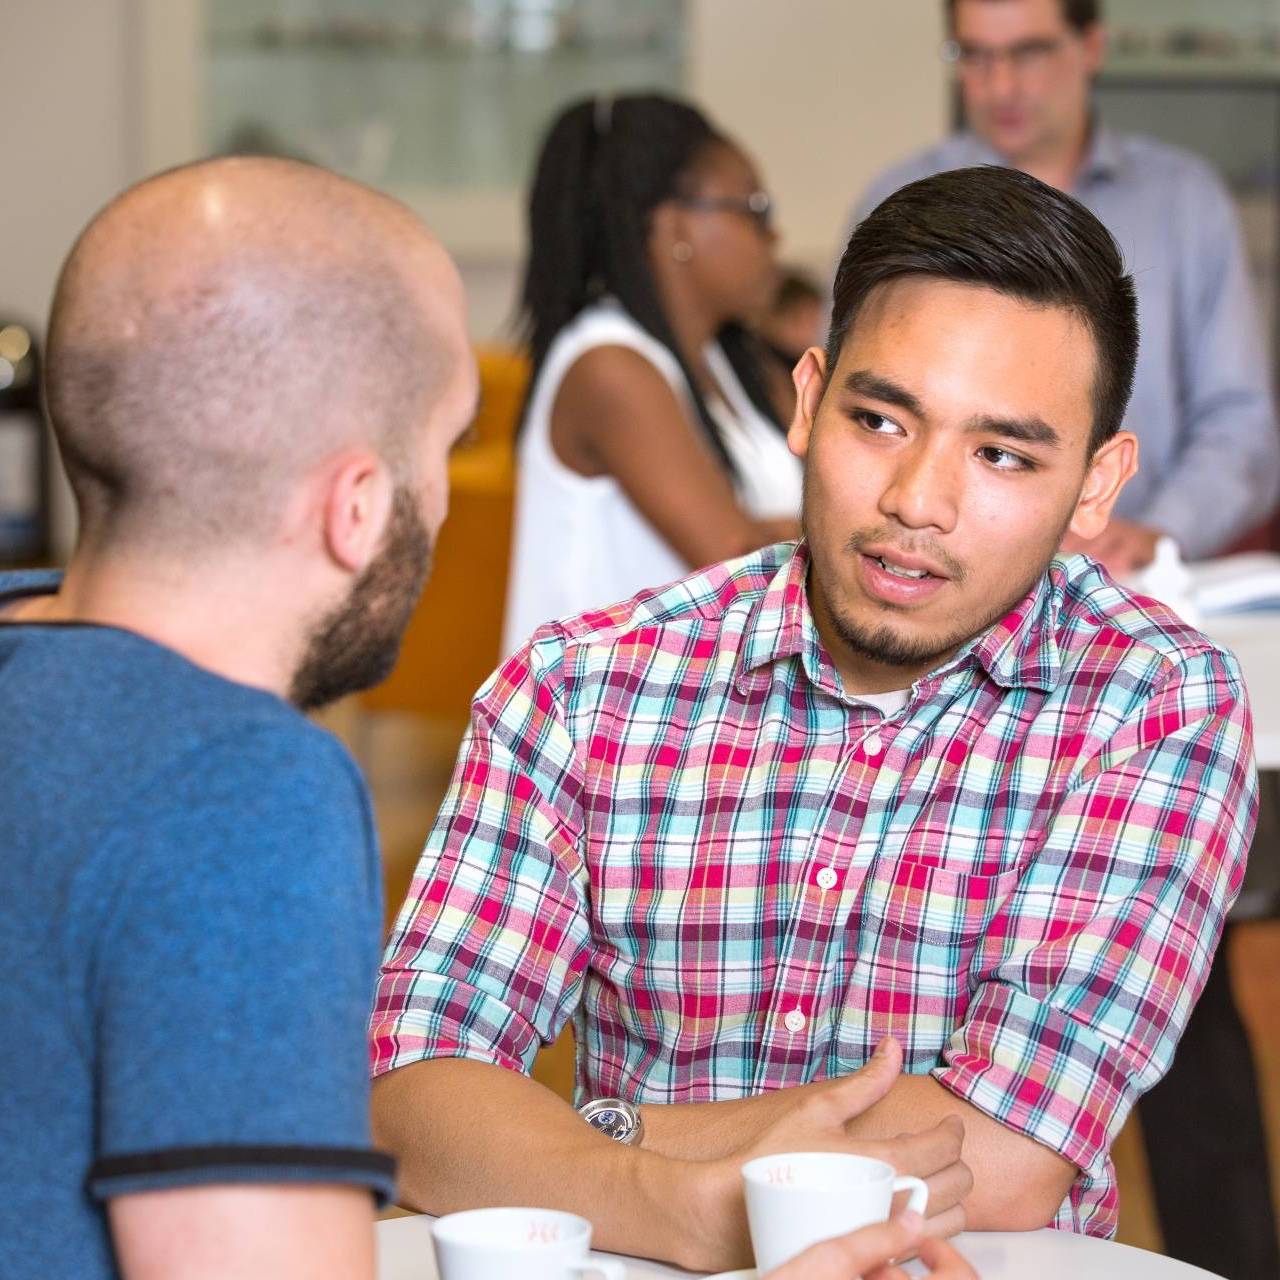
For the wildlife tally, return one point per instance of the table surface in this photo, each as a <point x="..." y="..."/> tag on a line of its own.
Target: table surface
<point x="1255" y="639"/>
<point x="405" y="1253"/>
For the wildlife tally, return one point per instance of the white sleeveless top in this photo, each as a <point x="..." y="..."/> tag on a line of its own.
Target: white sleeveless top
<point x="577" y="542"/>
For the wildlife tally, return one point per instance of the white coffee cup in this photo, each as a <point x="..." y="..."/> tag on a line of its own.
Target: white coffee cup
<point x="523" y="1244"/>
<point x="796" y="1199"/>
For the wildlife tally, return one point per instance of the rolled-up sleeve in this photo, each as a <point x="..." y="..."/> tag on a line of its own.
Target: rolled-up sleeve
<point x="487" y="956"/>
<point x="1084" y="981"/>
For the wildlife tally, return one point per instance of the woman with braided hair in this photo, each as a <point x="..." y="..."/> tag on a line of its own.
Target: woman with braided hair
<point x="652" y="439"/>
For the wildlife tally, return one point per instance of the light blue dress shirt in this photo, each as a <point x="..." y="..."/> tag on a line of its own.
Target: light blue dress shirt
<point x="1202" y="407"/>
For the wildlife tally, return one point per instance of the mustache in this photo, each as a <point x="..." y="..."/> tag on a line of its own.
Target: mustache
<point x="886" y="536"/>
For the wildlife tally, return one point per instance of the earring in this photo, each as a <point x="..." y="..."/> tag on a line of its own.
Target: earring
<point x="682" y="251"/>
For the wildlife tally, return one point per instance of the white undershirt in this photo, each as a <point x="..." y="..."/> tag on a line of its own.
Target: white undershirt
<point x="887" y="704"/>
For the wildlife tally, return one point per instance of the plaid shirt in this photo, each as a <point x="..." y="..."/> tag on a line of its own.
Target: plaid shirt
<point x="670" y="823"/>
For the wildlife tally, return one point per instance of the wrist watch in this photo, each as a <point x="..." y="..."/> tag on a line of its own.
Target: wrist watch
<point x="614" y="1118"/>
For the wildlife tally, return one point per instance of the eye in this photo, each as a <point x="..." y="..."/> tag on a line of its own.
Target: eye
<point x="1003" y="460"/>
<point x="875" y="422"/>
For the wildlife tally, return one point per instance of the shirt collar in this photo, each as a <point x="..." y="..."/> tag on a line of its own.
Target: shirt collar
<point x="1018" y="651"/>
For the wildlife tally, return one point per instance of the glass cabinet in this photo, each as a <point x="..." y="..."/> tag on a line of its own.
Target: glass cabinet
<point x="408" y="94"/>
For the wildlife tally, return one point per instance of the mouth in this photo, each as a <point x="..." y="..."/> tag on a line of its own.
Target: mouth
<point x="901" y="570"/>
<point x="897" y="579"/>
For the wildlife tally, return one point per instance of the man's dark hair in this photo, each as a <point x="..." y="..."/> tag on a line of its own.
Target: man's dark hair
<point x="1001" y="229"/>
<point x="1080" y="14"/>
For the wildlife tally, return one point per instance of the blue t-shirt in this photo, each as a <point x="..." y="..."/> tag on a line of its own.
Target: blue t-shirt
<point x="190" y="908"/>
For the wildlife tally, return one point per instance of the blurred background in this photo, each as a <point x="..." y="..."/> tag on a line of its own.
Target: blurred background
<point x="443" y="103"/>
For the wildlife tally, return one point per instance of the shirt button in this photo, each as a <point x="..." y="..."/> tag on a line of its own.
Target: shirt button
<point x="827" y="878"/>
<point x="794" y="1021"/>
<point x="873" y="746"/>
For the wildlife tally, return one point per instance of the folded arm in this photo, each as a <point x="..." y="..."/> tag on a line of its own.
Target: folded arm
<point x="1017" y="1183"/>
<point x="469" y="1133"/>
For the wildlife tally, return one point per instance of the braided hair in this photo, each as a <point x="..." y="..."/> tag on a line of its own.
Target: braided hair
<point x="605" y="165"/>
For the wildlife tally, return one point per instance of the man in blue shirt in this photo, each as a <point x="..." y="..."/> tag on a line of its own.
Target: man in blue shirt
<point x="256" y="371"/>
<point x="1209" y="471"/>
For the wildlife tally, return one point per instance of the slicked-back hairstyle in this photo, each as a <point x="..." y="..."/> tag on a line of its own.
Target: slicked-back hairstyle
<point x="1080" y="14"/>
<point x="605" y="165"/>
<point x="1004" y="230"/>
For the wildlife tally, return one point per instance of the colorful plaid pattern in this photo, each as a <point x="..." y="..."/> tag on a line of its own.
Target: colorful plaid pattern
<point x="671" y="824"/>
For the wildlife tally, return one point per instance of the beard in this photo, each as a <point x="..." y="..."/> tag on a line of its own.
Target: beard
<point x="356" y="644"/>
<point x="880" y="641"/>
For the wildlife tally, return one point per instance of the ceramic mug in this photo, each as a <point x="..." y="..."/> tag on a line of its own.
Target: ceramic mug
<point x="796" y="1199"/>
<point x="524" y="1244"/>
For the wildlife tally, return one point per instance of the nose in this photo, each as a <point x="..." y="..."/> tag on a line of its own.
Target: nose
<point x="1002" y="79"/>
<point x="923" y="490"/>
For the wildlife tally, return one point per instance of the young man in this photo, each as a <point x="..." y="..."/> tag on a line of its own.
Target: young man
<point x="913" y="777"/>
<point x="256" y="371"/>
<point x="1202" y="405"/>
<point x="1202" y="410"/>
<point x="256" y="522"/>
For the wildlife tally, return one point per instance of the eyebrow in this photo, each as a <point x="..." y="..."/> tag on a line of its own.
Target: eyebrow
<point x="1030" y="430"/>
<point x="862" y="382"/>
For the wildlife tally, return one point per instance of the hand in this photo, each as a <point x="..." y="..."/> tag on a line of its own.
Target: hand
<point x="817" y="1122"/>
<point x="870" y="1253"/>
<point x="1123" y="546"/>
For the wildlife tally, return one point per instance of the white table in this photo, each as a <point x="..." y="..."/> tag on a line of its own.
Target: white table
<point x="404" y="1253"/>
<point x="1255" y="639"/>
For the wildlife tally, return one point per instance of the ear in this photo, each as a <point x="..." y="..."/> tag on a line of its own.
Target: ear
<point x="667" y="224"/>
<point x="1109" y="472"/>
<point x="1094" y="38"/>
<point x="357" y="506"/>
<point x="809" y="377"/>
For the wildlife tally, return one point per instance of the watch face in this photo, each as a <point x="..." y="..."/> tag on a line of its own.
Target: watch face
<point x="612" y="1122"/>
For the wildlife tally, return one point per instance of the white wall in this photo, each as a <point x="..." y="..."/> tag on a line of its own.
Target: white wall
<point x="69" y="133"/>
<point x="100" y="92"/>
<point x="826" y="93"/>
<point x="70" y="137"/>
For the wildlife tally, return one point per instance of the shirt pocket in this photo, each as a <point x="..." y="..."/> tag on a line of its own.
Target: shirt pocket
<point x="934" y="909"/>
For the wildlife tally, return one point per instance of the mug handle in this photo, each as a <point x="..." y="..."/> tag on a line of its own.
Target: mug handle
<point x="606" y="1267"/>
<point x="918" y="1201"/>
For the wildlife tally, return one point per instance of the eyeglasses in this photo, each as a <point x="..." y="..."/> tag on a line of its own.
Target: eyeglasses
<point x="758" y="206"/>
<point x="1027" y="57"/>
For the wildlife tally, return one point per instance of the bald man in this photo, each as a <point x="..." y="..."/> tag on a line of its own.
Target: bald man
<point x="255" y="373"/>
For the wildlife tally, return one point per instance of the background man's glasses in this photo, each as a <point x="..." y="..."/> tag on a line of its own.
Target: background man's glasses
<point x="1025" y="57"/>
<point x="758" y="206"/>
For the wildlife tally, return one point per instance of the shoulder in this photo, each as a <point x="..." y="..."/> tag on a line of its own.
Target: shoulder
<point x="1107" y="632"/>
<point x="1182" y="176"/>
<point x="699" y="606"/>
<point x="260" y="797"/>
<point x="604" y="365"/>
<point x="614" y="373"/>
<point x="606" y="327"/>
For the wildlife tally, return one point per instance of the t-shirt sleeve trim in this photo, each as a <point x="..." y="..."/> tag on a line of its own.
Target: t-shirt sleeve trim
<point x="176" y="1166"/>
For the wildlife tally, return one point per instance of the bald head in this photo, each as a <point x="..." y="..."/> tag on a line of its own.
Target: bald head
<point x="220" y="329"/>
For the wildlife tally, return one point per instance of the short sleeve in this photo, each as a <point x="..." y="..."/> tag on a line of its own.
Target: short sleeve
<point x="233" y="973"/>
<point x="487" y="958"/>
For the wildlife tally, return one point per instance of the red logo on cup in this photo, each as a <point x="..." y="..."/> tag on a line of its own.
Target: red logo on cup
<point x="544" y="1233"/>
